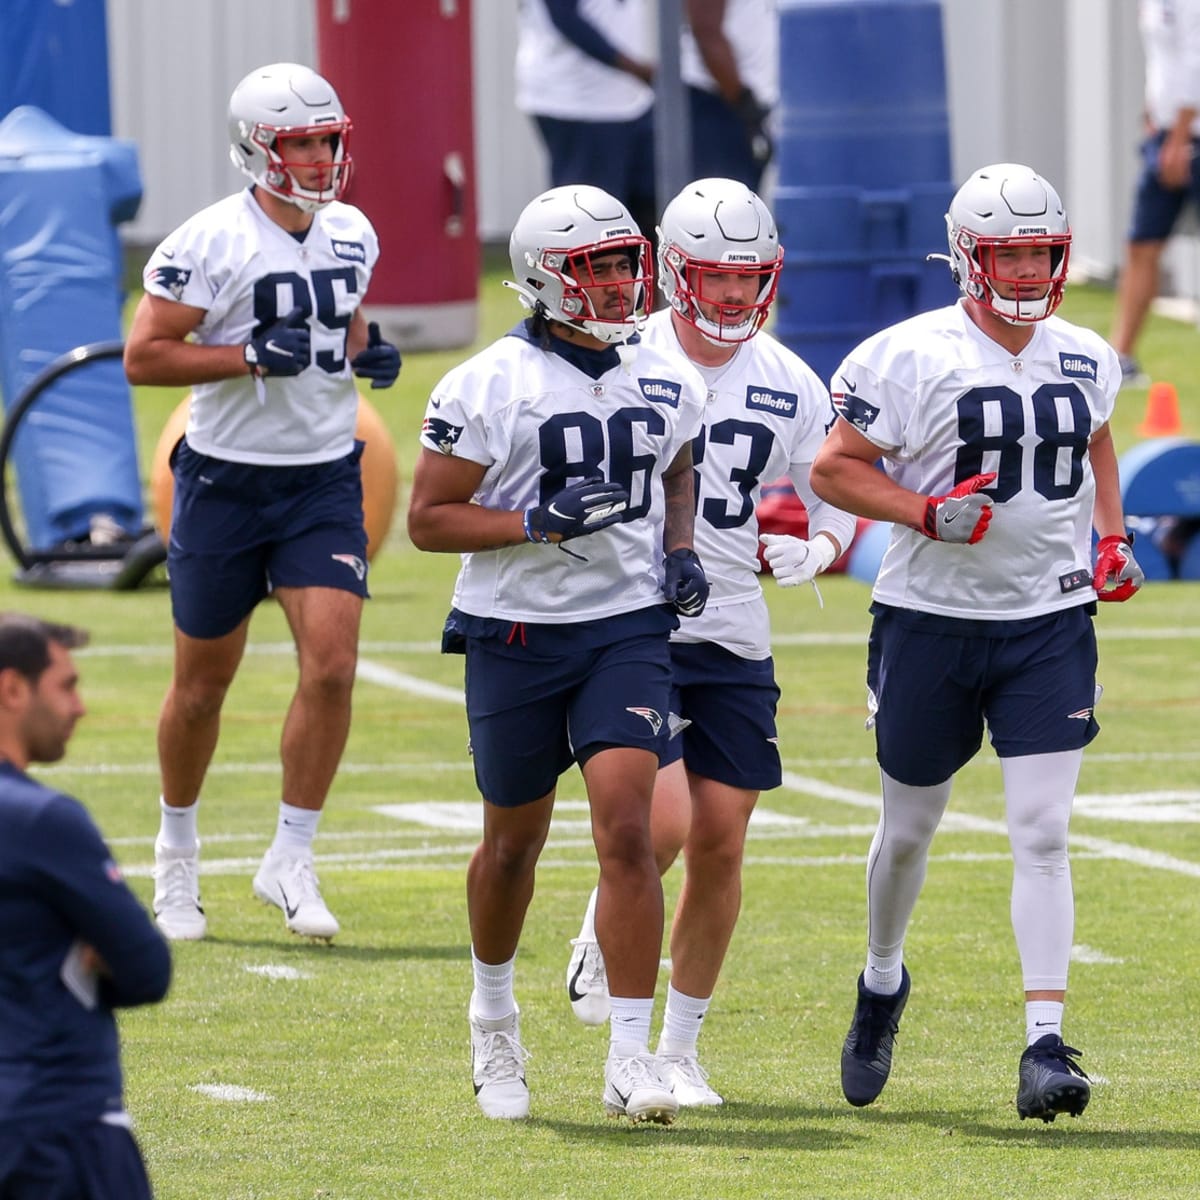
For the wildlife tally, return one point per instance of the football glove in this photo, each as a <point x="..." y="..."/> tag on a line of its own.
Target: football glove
<point x="582" y="508"/>
<point x="793" y="560"/>
<point x="281" y="349"/>
<point x="753" y="117"/>
<point x="686" y="585"/>
<point x="379" y="362"/>
<point x="1116" y="565"/>
<point x="961" y="515"/>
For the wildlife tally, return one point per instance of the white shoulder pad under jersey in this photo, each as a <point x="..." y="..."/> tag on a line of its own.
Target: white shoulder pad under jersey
<point x="944" y="402"/>
<point x="538" y="424"/>
<point x="246" y="272"/>
<point x="765" y="417"/>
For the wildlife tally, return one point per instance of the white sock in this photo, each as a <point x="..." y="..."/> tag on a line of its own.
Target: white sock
<point x="629" y="1026"/>
<point x="681" y="1022"/>
<point x="587" y="931"/>
<point x="177" y="826"/>
<point x="882" y="973"/>
<point x="1042" y="1017"/>
<point x="493" y="997"/>
<point x="295" y="829"/>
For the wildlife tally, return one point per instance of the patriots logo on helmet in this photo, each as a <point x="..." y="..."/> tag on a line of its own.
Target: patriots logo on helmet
<point x="171" y="279"/>
<point x="441" y="433"/>
<point x="854" y="409"/>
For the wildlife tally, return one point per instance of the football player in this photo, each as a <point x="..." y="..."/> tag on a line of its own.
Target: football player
<point x="558" y="463"/>
<point x="255" y="304"/>
<point x="719" y="262"/>
<point x="991" y="418"/>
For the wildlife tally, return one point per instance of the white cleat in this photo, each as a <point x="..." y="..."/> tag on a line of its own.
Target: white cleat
<point x="290" y="883"/>
<point x="587" y="980"/>
<point x="636" y="1088"/>
<point x="688" y="1080"/>
<point x="498" y="1066"/>
<point x="177" y="894"/>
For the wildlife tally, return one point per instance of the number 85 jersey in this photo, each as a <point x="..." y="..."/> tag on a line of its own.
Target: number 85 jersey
<point x="943" y="402"/>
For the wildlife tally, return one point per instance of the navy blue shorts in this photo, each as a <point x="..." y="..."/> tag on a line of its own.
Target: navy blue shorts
<point x="617" y="156"/>
<point x="1156" y="208"/>
<point x="239" y="530"/>
<point x="730" y="702"/>
<point x="938" y="679"/>
<point x="549" y="695"/>
<point x="94" y="1161"/>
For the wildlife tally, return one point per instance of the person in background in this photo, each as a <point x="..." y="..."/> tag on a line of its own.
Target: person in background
<point x="1170" y="176"/>
<point x="584" y="74"/>
<point x="719" y="263"/>
<point x="730" y="64"/>
<point x="75" y="944"/>
<point x="558" y="463"/>
<point x="991" y="418"/>
<point x="254" y="303"/>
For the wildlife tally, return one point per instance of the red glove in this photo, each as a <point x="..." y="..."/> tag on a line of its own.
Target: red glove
<point x="961" y="515"/>
<point x="1115" y="564"/>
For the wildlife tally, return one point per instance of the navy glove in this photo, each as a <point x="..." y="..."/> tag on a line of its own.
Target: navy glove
<point x="753" y="117"/>
<point x="686" y="585"/>
<point x="379" y="362"/>
<point x="581" y="508"/>
<point x="284" y="348"/>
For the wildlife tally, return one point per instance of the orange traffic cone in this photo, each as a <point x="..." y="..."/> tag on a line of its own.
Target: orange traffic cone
<point x="1162" y="412"/>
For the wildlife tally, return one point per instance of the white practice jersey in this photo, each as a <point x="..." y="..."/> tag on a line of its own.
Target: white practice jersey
<point x="1171" y="44"/>
<point x="945" y="402"/>
<point x="556" y="79"/>
<point x="538" y="424"/>
<point x="765" y="417"/>
<point x="246" y="272"/>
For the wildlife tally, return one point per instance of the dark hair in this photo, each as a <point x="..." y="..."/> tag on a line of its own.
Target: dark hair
<point x="25" y="643"/>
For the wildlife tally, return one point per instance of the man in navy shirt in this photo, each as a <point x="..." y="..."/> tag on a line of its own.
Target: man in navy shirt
<point x="75" y="943"/>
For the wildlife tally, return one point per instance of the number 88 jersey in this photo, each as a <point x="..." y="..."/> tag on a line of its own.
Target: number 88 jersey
<point x="943" y="402"/>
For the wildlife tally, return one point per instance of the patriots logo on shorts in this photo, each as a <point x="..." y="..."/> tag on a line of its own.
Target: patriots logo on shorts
<point x="854" y="408"/>
<point x="654" y="718"/>
<point x="171" y="279"/>
<point x="355" y="563"/>
<point x="441" y="433"/>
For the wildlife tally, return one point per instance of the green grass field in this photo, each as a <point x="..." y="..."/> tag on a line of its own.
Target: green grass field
<point x="280" y="1070"/>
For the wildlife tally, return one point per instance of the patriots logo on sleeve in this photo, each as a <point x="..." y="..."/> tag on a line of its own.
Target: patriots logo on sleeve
<point x="441" y="433"/>
<point x="854" y="408"/>
<point x="171" y="279"/>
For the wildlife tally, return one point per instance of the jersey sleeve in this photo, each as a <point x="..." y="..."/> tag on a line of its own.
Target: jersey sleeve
<point x="879" y="406"/>
<point x="179" y="269"/>
<point x="84" y="884"/>
<point x="456" y="419"/>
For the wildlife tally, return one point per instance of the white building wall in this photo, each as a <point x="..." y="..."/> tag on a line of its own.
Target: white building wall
<point x="1055" y="83"/>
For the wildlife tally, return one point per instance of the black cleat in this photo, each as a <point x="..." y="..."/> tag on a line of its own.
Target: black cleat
<point x="1052" y="1082"/>
<point x="867" y="1051"/>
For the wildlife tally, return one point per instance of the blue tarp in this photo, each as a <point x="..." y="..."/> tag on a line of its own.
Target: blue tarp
<point x="61" y="195"/>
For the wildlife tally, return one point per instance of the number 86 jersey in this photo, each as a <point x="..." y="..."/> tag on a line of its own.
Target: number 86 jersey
<point x="943" y="402"/>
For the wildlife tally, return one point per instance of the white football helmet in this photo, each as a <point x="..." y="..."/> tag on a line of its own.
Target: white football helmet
<point x="275" y="103"/>
<point x="718" y="225"/>
<point x="1007" y="205"/>
<point x="551" y="249"/>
